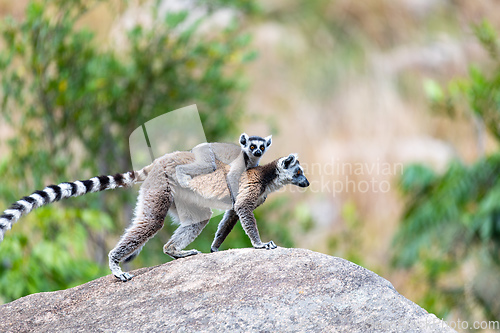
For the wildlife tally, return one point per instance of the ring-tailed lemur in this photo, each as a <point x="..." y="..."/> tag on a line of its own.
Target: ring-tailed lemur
<point x="160" y="193"/>
<point x="206" y="155"/>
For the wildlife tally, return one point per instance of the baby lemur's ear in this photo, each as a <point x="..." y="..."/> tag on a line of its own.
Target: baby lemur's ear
<point x="268" y="140"/>
<point x="244" y="139"/>
<point x="288" y="161"/>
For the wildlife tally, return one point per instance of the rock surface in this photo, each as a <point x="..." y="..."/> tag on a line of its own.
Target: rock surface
<point x="281" y="290"/>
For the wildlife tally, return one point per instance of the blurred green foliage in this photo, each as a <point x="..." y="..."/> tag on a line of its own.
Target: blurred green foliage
<point x="347" y="242"/>
<point x="72" y="103"/>
<point x="453" y="219"/>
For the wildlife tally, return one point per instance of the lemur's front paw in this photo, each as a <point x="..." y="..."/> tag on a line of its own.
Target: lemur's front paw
<point x="214" y="249"/>
<point x="268" y="246"/>
<point x="124" y="276"/>
<point x="184" y="180"/>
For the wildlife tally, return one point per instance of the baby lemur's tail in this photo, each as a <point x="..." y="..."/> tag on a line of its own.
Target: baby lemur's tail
<point x="54" y="193"/>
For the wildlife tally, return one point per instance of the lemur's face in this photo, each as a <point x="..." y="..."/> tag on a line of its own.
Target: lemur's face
<point x="255" y="145"/>
<point x="291" y="171"/>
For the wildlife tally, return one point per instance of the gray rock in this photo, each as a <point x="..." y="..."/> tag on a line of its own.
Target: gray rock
<point x="245" y="290"/>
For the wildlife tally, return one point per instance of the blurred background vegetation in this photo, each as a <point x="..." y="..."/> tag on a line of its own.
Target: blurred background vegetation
<point x="392" y="106"/>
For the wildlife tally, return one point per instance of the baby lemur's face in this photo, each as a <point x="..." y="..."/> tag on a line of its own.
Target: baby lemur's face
<point x="255" y="145"/>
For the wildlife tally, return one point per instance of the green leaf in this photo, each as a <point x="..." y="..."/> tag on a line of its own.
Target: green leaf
<point x="174" y="19"/>
<point x="433" y="90"/>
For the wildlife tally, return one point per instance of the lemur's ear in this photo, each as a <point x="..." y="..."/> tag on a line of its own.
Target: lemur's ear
<point x="268" y="140"/>
<point x="289" y="160"/>
<point x="244" y="139"/>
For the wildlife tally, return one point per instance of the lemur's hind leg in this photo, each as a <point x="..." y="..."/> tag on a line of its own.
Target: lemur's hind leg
<point x="151" y="210"/>
<point x="181" y="238"/>
<point x="192" y="223"/>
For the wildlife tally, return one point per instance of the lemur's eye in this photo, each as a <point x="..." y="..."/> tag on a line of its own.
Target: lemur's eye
<point x="262" y="147"/>
<point x="252" y="147"/>
<point x="299" y="172"/>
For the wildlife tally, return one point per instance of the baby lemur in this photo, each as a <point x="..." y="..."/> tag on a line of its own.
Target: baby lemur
<point x="206" y="155"/>
<point x="160" y="193"/>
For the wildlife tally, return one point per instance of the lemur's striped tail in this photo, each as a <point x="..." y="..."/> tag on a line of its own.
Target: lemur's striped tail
<point x="55" y="193"/>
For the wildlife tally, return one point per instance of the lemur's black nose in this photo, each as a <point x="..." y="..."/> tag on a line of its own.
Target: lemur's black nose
<point x="304" y="183"/>
<point x="257" y="153"/>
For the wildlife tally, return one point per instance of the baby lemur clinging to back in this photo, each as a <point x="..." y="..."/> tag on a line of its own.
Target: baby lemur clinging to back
<point x="207" y="154"/>
<point x="160" y="193"/>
